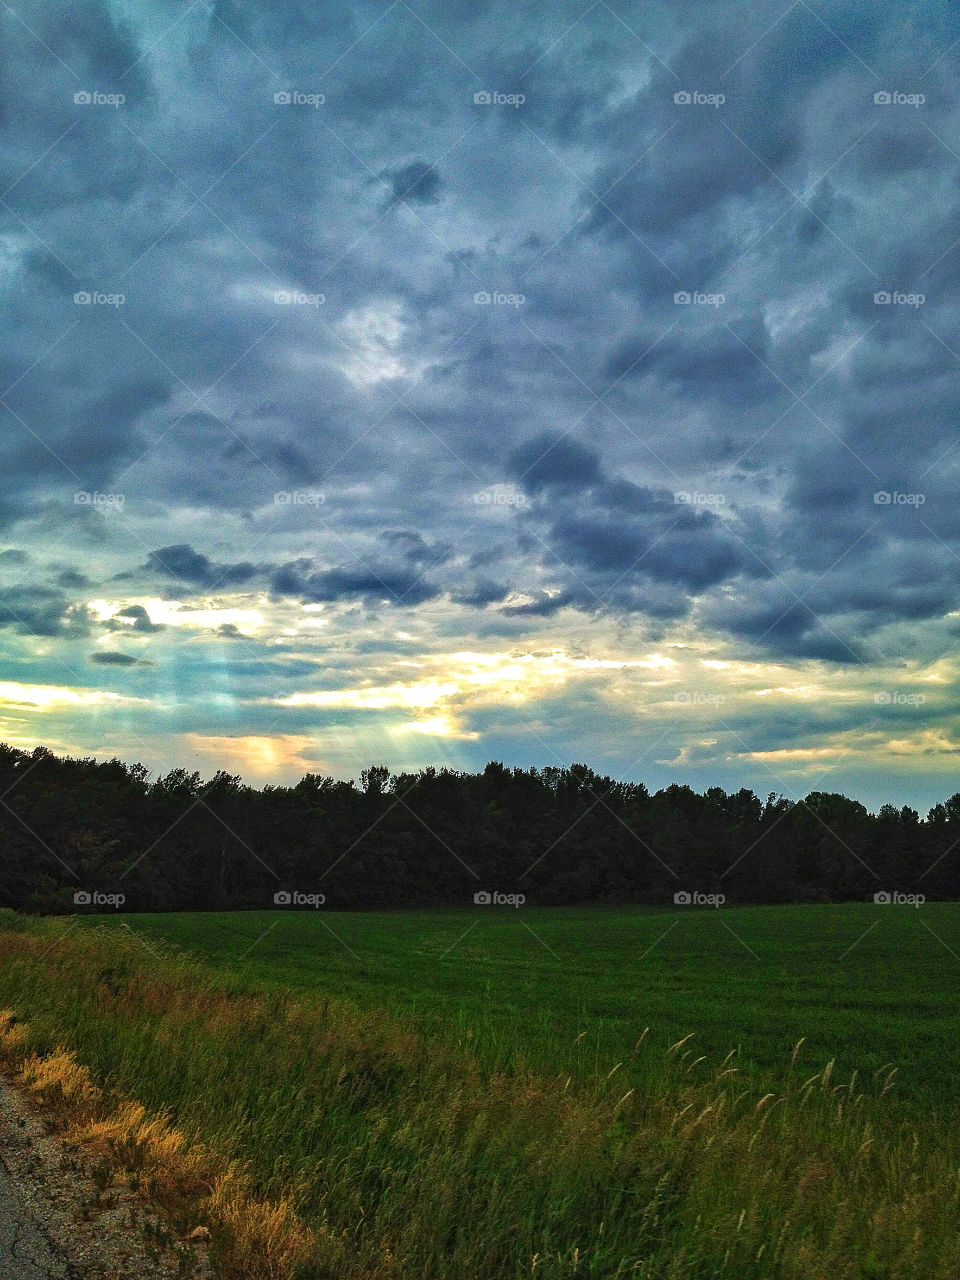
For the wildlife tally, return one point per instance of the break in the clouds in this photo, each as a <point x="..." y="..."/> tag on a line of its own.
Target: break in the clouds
<point x="433" y="382"/>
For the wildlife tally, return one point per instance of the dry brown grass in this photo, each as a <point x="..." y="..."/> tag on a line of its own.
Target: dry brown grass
<point x="254" y="1238"/>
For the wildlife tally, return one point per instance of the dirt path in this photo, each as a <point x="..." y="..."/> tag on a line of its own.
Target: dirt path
<point x="58" y="1221"/>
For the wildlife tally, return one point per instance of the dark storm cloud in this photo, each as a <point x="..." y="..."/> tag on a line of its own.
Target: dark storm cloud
<point x="139" y="619"/>
<point x="400" y="199"/>
<point x="384" y="583"/>
<point x="783" y="625"/>
<point x="711" y="360"/>
<point x="71" y="580"/>
<point x="185" y="564"/>
<point x="483" y="591"/>
<point x="616" y="531"/>
<point x="410" y="546"/>
<point x="562" y="464"/>
<point x="388" y="583"/>
<point x="417" y="183"/>
<point x="43" y="611"/>
<point x="545" y="605"/>
<point x="180" y="561"/>
<point x="112" y="658"/>
<point x="396" y="572"/>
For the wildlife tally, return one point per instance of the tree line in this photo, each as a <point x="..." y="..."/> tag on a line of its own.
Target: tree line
<point x="77" y="834"/>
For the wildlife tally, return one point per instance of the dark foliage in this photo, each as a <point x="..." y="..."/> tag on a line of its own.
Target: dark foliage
<point x="73" y="829"/>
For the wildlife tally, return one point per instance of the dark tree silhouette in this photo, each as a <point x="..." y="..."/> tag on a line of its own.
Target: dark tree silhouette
<point x="71" y="829"/>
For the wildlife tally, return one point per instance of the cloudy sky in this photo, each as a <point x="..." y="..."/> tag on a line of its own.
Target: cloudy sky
<point x="445" y="381"/>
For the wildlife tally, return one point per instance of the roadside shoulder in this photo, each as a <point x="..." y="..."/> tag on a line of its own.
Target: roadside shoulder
<point x="68" y="1217"/>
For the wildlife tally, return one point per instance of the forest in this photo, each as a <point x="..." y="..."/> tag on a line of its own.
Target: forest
<point x="82" y="835"/>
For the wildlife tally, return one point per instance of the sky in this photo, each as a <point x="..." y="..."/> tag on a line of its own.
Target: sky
<point x="436" y="382"/>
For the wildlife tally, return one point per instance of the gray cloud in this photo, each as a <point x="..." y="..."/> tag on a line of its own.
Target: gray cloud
<point x="43" y="611"/>
<point x="416" y="183"/>
<point x="112" y="658"/>
<point x="397" y="399"/>
<point x="185" y="564"/>
<point x="139" y="619"/>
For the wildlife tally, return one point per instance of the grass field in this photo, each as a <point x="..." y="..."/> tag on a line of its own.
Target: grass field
<point x="471" y="1094"/>
<point x="865" y="984"/>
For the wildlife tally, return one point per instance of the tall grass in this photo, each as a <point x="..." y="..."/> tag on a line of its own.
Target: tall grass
<point x="362" y="1149"/>
<point x="866" y="985"/>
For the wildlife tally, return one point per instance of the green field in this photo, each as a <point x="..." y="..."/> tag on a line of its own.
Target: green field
<point x="865" y="984"/>
<point x="474" y="1095"/>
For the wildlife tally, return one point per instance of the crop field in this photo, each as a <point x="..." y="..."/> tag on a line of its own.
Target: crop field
<point x="864" y="984"/>
<point x="495" y="1093"/>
